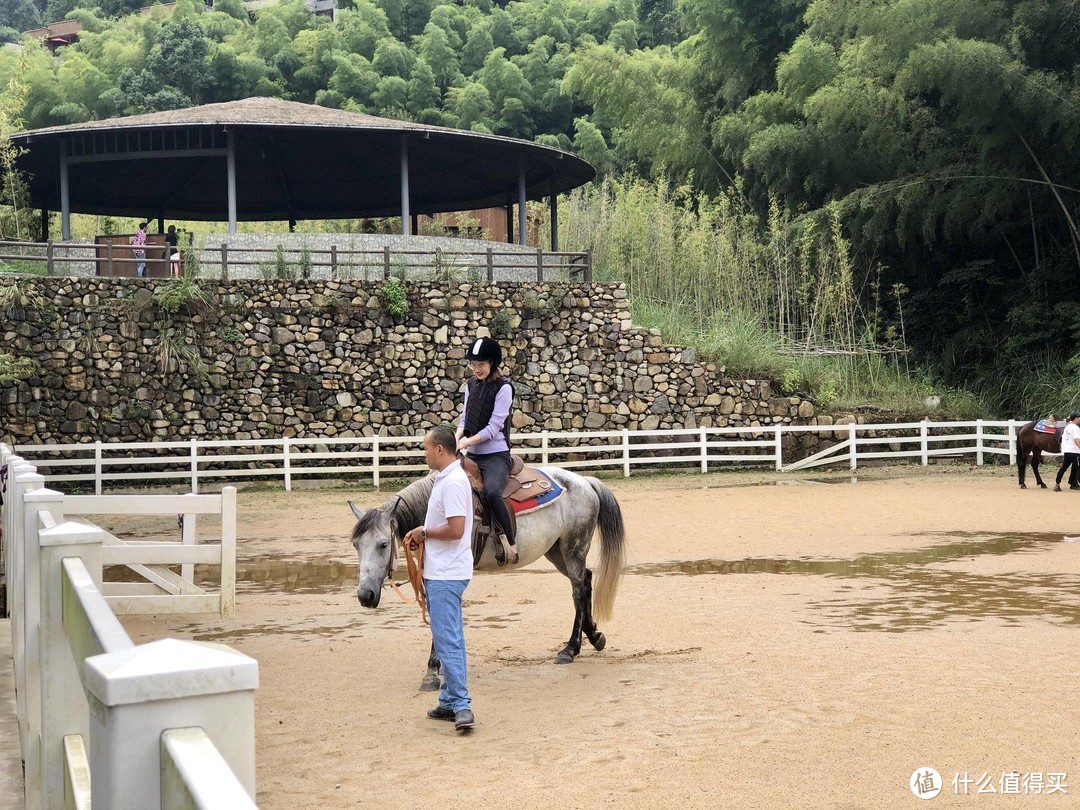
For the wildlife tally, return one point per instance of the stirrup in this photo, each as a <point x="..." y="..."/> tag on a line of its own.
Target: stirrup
<point x="504" y="551"/>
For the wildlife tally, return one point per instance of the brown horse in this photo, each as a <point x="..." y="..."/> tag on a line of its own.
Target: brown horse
<point x="1034" y="443"/>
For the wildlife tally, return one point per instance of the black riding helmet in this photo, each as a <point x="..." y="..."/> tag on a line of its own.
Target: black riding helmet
<point x="485" y="349"/>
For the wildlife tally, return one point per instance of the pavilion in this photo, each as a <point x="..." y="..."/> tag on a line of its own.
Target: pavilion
<point x="261" y="159"/>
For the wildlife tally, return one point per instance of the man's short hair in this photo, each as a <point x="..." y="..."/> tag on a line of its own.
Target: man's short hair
<point x="442" y="436"/>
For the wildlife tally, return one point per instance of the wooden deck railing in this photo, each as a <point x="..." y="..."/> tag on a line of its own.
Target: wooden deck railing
<point x="62" y="258"/>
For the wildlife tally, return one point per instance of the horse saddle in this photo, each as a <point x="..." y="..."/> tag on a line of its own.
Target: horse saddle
<point x="523" y="484"/>
<point x="1050" y="425"/>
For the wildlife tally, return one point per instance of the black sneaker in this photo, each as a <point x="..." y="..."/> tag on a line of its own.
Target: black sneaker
<point x="464" y="720"/>
<point x="501" y="557"/>
<point x="439" y="713"/>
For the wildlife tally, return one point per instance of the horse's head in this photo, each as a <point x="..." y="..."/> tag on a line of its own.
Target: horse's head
<point x="373" y="539"/>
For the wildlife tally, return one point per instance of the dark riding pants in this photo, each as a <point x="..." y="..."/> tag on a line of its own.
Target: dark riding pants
<point x="496" y="470"/>
<point x="1070" y="462"/>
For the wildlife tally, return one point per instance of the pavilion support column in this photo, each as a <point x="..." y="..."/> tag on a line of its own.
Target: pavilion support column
<point x="521" y="200"/>
<point x="415" y="223"/>
<point x="509" y="220"/>
<point x="230" y="160"/>
<point x="553" y="205"/>
<point x="406" y="216"/>
<point x="65" y="194"/>
<point x="292" y="226"/>
<point x="161" y="222"/>
<point x="44" y="224"/>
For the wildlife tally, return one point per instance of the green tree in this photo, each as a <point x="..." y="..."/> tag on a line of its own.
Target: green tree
<point x="471" y="105"/>
<point x="423" y="92"/>
<point x="440" y="53"/>
<point x="14" y="221"/>
<point x="590" y="144"/>
<point x="17" y="16"/>
<point x="393" y="59"/>
<point x="363" y="27"/>
<point x="478" y="44"/>
<point x="391" y="97"/>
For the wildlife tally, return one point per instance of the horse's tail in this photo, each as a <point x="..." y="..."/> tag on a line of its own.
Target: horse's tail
<point x="612" y="551"/>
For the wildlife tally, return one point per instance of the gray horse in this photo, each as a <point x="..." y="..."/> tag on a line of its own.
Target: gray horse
<point x="562" y="531"/>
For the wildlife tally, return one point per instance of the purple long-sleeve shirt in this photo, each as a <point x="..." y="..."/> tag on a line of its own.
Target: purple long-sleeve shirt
<point x="492" y="438"/>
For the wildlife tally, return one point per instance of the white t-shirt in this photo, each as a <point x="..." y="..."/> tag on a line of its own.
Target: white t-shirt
<point x="1069" y="437"/>
<point x="451" y="497"/>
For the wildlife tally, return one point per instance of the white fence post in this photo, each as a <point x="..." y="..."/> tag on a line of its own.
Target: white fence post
<point x="285" y="462"/>
<point x="375" y="461"/>
<point x="1012" y="443"/>
<point x="64" y="709"/>
<point x="780" y="449"/>
<point x="978" y="442"/>
<point x="228" y="552"/>
<point x="704" y="451"/>
<point x="40" y="506"/>
<point x="543" y="447"/>
<point x="924" y="442"/>
<point x="626" y="452"/>
<point x="97" y="468"/>
<point x="194" y="466"/>
<point x="187" y="537"/>
<point x="853" y="433"/>
<point x="137" y="694"/>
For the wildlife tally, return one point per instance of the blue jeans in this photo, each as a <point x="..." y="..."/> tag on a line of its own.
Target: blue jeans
<point x="140" y="269"/>
<point x="448" y="634"/>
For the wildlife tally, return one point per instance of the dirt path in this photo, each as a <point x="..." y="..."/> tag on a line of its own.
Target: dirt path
<point x="777" y="643"/>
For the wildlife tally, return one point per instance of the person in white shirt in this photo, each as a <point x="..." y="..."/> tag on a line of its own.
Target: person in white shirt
<point x="1070" y="446"/>
<point x="448" y="565"/>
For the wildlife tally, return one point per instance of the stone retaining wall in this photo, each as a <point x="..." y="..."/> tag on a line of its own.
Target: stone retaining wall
<point x="264" y="359"/>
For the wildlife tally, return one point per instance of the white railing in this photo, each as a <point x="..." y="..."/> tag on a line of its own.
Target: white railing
<point x="162" y="590"/>
<point x="707" y="449"/>
<point x="172" y="724"/>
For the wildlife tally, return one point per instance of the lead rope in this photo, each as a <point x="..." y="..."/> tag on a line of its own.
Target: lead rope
<point x="414" y="562"/>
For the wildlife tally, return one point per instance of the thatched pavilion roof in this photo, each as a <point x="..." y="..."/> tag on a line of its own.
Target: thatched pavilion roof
<point x="293" y="161"/>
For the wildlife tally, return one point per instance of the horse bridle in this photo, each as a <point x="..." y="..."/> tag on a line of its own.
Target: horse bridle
<point x="414" y="562"/>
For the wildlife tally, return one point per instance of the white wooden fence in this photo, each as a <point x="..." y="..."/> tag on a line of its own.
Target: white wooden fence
<point x="707" y="449"/>
<point x="169" y="724"/>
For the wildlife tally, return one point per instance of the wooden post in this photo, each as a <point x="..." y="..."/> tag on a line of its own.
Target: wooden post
<point x="111" y="271"/>
<point x="49" y="258"/>
<point x="333" y="261"/>
<point x="588" y="266"/>
<point x="539" y="265"/>
<point x="224" y="261"/>
<point x="490" y="266"/>
<point x="386" y="262"/>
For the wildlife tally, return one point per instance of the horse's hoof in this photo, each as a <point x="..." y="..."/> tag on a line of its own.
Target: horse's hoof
<point x="1042" y="486"/>
<point x="599" y="641"/>
<point x="564" y="658"/>
<point x="1023" y="486"/>
<point x="430" y="684"/>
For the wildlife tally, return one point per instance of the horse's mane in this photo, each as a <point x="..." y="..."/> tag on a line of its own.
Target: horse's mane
<point x="406" y="510"/>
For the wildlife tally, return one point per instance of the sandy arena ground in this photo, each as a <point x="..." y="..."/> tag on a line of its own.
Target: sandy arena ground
<point x="914" y="618"/>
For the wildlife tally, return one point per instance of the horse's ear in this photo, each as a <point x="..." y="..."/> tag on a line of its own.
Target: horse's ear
<point x="356" y="510"/>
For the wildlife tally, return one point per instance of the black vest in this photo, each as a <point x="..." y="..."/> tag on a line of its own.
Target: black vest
<point x="482" y="404"/>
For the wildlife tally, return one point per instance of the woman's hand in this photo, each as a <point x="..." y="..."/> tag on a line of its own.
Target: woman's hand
<point x="463" y="444"/>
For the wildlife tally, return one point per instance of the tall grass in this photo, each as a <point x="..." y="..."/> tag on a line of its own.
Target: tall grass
<point x="778" y="298"/>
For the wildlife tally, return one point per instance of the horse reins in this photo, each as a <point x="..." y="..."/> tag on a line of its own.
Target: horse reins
<point x="414" y="562"/>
